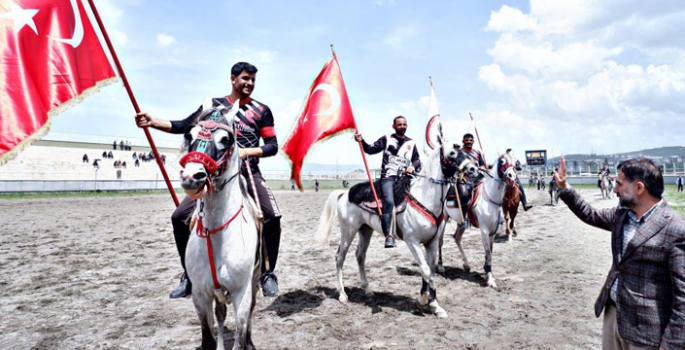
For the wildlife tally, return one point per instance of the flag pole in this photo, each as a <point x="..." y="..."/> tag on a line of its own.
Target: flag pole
<point x="361" y="149"/>
<point x="133" y="100"/>
<point x="478" y="136"/>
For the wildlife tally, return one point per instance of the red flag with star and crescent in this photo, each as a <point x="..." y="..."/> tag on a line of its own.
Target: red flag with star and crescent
<point x="50" y="58"/>
<point x="326" y="112"/>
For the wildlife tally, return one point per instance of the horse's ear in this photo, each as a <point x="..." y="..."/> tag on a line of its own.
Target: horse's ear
<point x="234" y="109"/>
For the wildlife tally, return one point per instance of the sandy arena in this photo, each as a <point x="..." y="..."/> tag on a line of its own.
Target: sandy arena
<point x="95" y="273"/>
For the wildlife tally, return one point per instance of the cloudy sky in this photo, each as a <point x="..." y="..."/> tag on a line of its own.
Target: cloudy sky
<point x="569" y="76"/>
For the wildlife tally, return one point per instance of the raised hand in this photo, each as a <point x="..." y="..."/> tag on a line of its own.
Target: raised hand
<point x="560" y="175"/>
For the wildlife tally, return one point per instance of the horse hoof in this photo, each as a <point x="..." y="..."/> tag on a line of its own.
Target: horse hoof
<point x="440" y="312"/>
<point x="422" y="300"/>
<point x="493" y="285"/>
<point x="368" y="293"/>
<point x="441" y="269"/>
<point x="343" y="298"/>
<point x="467" y="268"/>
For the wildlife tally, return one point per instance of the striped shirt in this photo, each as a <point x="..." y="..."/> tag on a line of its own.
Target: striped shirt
<point x="631" y="226"/>
<point x="253" y="121"/>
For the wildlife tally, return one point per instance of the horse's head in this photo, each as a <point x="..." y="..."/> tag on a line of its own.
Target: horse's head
<point x="211" y="147"/>
<point x="453" y="159"/>
<point x="505" y="170"/>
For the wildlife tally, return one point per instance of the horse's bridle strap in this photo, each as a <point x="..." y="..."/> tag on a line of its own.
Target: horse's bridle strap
<point x="204" y="233"/>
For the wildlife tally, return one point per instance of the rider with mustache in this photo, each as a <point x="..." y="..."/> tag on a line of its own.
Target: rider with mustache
<point x="253" y="122"/>
<point x="466" y="184"/>
<point x="399" y="155"/>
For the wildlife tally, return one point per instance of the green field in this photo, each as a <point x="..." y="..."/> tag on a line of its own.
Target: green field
<point x="675" y="199"/>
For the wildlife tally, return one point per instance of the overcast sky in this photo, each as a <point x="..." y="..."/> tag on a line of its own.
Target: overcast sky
<point x="569" y="76"/>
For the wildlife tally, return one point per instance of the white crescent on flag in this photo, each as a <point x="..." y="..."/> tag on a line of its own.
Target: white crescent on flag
<point x="334" y="96"/>
<point x="77" y="37"/>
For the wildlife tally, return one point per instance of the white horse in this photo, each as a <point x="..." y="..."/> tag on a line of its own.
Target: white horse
<point x="606" y="187"/>
<point x="415" y="225"/>
<point x="487" y="202"/>
<point x="222" y="256"/>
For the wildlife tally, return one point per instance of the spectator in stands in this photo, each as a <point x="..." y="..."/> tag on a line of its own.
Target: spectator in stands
<point x="104" y="154"/>
<point x="137" y="163"/>
<point x="95" y="164"/>
<point x="316" y="185"/>
<point x="123" y="164"/>
<point x="135" y="156"/>
<point x="110" y="155"/>
<point x="85" y="158"/>
<point x="163" y="159"/>
<point x="679" y="182"/>
<point x="121" y="145"/>
<point x="114" y="145"/>
<point x="119" y="174"/>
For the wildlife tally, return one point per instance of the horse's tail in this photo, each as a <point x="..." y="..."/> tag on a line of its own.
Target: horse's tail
<point x="330" y="212"/>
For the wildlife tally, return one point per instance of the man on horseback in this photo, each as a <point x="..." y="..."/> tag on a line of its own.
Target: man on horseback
<point x="253" y="121"/>
<point x="602" y="173"/>
<point x="517" y="165"/>
<point x="467" y="184"/>
<point x="398" y="150"/>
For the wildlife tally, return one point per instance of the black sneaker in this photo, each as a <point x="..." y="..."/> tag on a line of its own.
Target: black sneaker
<point x="183" y="290"/>
<point x="269" y="284"/>
<point x="389" y="242"/>
<point x="526" y="207"/>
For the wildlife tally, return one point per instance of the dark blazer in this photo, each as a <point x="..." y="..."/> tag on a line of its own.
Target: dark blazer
<point x="651" y="289"/>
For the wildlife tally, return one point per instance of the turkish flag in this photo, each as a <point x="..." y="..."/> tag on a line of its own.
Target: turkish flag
<point x="50" y="58"/>
<point x="326" y="111"/>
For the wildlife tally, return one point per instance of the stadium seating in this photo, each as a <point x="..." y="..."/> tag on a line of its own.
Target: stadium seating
<point x="66" y="163"/>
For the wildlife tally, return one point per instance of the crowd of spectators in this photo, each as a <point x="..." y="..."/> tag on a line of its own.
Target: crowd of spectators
<point x="123" y="145"/>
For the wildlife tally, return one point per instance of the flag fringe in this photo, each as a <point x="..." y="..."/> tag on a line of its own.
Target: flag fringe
<point x="40" y="133"/>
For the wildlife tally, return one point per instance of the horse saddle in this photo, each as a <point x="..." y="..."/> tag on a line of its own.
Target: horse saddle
<point x="361" y="195"/>
<point x="468" y="199"/>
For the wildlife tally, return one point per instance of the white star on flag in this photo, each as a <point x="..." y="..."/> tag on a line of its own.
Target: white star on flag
<point x="21" y="17"/>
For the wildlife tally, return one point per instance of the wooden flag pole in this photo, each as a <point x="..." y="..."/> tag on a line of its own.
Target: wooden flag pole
<point x="478" y="136"/>
<point x="361" y="149"/>
<point x="133" y="100"/>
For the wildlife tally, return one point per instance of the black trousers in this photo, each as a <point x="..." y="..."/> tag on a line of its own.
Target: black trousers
<point x="271" y="233"/>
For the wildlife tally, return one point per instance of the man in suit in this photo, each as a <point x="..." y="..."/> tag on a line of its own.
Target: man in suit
<point x="643" y="298"/>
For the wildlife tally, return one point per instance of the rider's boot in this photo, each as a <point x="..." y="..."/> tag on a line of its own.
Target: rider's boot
<point x="524" y="201"/>
<point x="386" y="222"/>
<point x="183" y="290"/>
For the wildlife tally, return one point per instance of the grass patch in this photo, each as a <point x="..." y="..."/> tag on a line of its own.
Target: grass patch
<point x="98" y="193"/>
<point x="675" y="199"/>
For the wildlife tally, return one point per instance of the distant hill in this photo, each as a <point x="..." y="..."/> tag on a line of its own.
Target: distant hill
<point x="652" y="152"/>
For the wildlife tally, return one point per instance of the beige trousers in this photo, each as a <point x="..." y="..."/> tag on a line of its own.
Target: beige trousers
<point x="611" y="339"/>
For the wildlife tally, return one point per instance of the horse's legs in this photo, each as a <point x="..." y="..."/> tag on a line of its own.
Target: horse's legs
<point x="506" y="221"/>
<point x="511" y="223"/>
<point x="458" y="234"/>
<point x="428" y="293"/>
<point x="252" y="291"/>
<point x="441" y="240"/>
<point x="487" y="246"/>
<point x="346" y="236"/>
<point x="364" y="240"/>
<point x="220" y="312"/>
<point x="242" y="306"/>
<point x="203" y="308"/>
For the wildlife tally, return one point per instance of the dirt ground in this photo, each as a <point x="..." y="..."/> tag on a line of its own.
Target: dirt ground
<point x="95" y="273"/>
